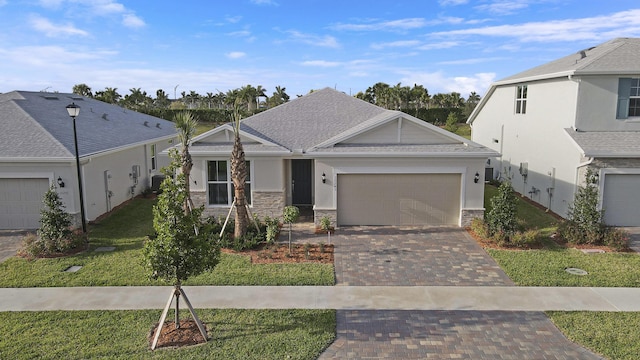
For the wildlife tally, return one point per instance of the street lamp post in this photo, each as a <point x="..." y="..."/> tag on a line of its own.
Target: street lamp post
<point x="73" y="111"/>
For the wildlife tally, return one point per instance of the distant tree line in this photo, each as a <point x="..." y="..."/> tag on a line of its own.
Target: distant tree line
<point x="218" y="106"/>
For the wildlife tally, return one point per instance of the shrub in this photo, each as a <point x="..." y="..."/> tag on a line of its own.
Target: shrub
<point x="585" y="223"/>
<point x="325" y="223"/>
<point x="452" y="123"/>
<point x="502" y="216"/>
<point x="480" y="228"/>
<point x="525" y="238"/>
<point x="616" y="238"/>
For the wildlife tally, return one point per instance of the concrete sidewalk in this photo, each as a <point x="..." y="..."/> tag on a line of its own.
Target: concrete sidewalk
<point x="476" y="298"/>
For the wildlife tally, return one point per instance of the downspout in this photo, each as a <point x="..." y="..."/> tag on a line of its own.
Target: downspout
<point x="581" y="165"/>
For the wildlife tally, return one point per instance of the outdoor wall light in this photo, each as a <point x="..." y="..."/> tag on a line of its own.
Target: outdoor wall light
<point x="476" y="178"/>
<point x="324" y="178"/>
<point x="60" y="182"/>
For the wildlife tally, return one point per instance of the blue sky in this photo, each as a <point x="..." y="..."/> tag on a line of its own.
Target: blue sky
<point x="211" y="46"/>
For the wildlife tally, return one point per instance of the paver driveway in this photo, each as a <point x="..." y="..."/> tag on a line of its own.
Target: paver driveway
<point x="433" y="257"/>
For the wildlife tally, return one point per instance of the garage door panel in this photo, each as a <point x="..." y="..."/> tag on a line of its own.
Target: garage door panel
<point x="621" y="199"/>
<point x="21" y="201"/>
<point x="399" y="199"/>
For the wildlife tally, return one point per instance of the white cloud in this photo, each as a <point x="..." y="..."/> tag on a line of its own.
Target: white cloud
<point x="264" y="2"/>
<point x="233" y="19"/>
<point x="624" y="23"/>
<point x="437" y="82"/>
<point x="401" y="24"/>
<point x="50" y="29"/>
<point x="51" y="56"/>
<point x="235" y="55"/>
<point x="320" y="63"/>
<point x="132" y="21"/>
<point x="3" y="3"/>
<point x="310" y="39"/>
<point x="395" y="44"/>
<point x="452" y="2"/>
<point x="470" y="61"/>
<point x="439" y="45"/>
<point x="504" y="7"/>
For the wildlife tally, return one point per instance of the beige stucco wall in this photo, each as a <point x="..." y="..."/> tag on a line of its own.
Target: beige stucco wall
<point x="597" y="105"/>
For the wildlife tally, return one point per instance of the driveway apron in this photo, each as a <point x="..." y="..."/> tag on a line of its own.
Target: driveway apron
<point x="395" y="256"/>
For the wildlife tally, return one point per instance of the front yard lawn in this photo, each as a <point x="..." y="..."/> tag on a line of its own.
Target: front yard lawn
<point x="126" y="230"/>
<point x="234" y="334"/>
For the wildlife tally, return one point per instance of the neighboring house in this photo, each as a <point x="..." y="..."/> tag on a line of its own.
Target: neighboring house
<point x="554" y="121"/>
<point x="350" y="160"/>
<point x="118" y="154"/>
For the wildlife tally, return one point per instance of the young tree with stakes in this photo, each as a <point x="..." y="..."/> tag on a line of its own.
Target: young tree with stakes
<point x="180" y="249"/>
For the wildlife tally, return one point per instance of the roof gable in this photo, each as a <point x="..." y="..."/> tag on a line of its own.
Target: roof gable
<point x="400" y="130"/>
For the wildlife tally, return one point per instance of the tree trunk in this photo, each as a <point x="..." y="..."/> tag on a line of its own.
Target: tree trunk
<point x="239" y="175"/>
<point x="187" y="165"/>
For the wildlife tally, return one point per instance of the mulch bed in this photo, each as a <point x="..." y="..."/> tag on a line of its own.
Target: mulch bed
<point x="187" y="335"/>
<point x="279" y="253"/>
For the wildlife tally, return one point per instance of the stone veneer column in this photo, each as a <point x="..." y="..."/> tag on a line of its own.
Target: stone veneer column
<point x="265" y="203"/>
<point x="469" y="214"/>
<point x="319" y="214"/>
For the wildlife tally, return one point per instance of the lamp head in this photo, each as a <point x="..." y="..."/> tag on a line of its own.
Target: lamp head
<point x="73" y="110"/>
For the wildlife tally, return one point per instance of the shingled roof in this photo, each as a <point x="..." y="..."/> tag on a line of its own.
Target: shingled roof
<point x="36" y="125"/>
<point x="619" y="56"/>
<point x="607" y="143"/>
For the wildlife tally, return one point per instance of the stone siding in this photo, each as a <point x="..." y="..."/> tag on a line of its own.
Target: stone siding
<point x="469" y="214"/>
<point x="319" y="214"/>
<point x="265" y="203"/>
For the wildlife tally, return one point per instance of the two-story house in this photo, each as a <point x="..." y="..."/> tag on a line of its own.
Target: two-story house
<point x="552" y="122"/>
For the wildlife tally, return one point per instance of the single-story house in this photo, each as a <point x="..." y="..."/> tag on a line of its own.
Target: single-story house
<point x="347" y="159"/>
<point x="118" y="152"/>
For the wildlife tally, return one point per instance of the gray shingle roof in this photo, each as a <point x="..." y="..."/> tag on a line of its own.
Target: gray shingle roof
<point x="618" y="56"/>
<point x="607" y="143"/>
<point x="37" y="125"/>
<point x="307" y="121"/>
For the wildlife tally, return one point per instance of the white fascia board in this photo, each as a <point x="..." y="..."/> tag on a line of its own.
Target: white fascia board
<point x="611" y="154"/>
<point x="574" y="142"/>
<point x="535" y="78"/>
<point x="128" y="146"/>
<point x="37" y="159"/>
<point x="406" y="155"/>
<point x="247" y="153"/>
<point x="481" y="104"/>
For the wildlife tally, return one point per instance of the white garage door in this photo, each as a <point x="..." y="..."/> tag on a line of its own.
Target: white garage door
<point x="399" y="199"/>
<point x="20" y="202"/>
<point x="621" y="199"/>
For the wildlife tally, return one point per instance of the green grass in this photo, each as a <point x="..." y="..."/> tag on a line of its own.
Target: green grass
<point x="126" y="229"/>
<point x="204" y="127"/>
<point x="464" y="130"/>
<point x="531" y="217"/>
<point x="546" y="267"/>
<point x="234" y="334"/>
<point x="613" y="335"/>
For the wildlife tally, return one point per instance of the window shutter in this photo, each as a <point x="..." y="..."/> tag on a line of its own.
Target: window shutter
<point x="624" y="87"/>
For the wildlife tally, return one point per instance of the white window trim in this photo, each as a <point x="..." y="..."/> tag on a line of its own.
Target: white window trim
<point x="521" y="100"/>
<point x="228" y="182"/>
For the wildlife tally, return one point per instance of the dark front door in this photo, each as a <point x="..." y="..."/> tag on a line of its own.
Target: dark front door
<point x="301" y="182"/>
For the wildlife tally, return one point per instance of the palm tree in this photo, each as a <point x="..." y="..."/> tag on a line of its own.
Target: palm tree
<point x="186" y="125"/>
<point x="83" y="90"/>
<point x="279" y="96"/>
<point x="260" y="92"/>
<point x="239" y="175"/>
<point x="109" y="95"/>
<point x="162" y="99"/>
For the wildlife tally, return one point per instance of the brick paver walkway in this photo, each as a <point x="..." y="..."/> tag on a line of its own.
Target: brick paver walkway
<point x="433" y="257"/>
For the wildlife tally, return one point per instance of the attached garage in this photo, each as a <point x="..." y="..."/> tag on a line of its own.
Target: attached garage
<point x="21" y="201"/>
<point x="621" y="198"/>
<point x="399" y="199"/>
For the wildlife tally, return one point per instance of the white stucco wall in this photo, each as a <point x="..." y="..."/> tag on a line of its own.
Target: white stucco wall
<point x="537" y="138"/>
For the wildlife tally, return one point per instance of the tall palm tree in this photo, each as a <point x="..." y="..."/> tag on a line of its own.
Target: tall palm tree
<point x="260" y="92"/>
<point x="239" y="175"/>
<point x="186" y="125"/>
<point x="83" y="90"/>
<point x="162" y="99"/>
<point x="109" y="95"/>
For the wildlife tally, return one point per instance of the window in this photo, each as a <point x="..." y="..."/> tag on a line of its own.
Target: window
<point x="628" y="98"/>
<point x="153" y="156"/>
<point x="220" y="185"/>
<point x="521" y="99"/>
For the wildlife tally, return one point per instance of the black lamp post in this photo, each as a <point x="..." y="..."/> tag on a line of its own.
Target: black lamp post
<point x="73" y="111"/>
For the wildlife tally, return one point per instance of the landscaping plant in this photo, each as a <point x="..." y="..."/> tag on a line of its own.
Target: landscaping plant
<point x="54" y="235"/>
<point x="290" y="215"/>
<point x="180" y="249"/>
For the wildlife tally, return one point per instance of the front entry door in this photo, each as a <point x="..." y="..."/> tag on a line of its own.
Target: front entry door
<point x="301" y="182"/>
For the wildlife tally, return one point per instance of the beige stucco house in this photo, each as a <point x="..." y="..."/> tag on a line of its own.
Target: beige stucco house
<point x="118" y="151"/>
<point x="554" y="121"/>
<point x="347" y="159"/>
